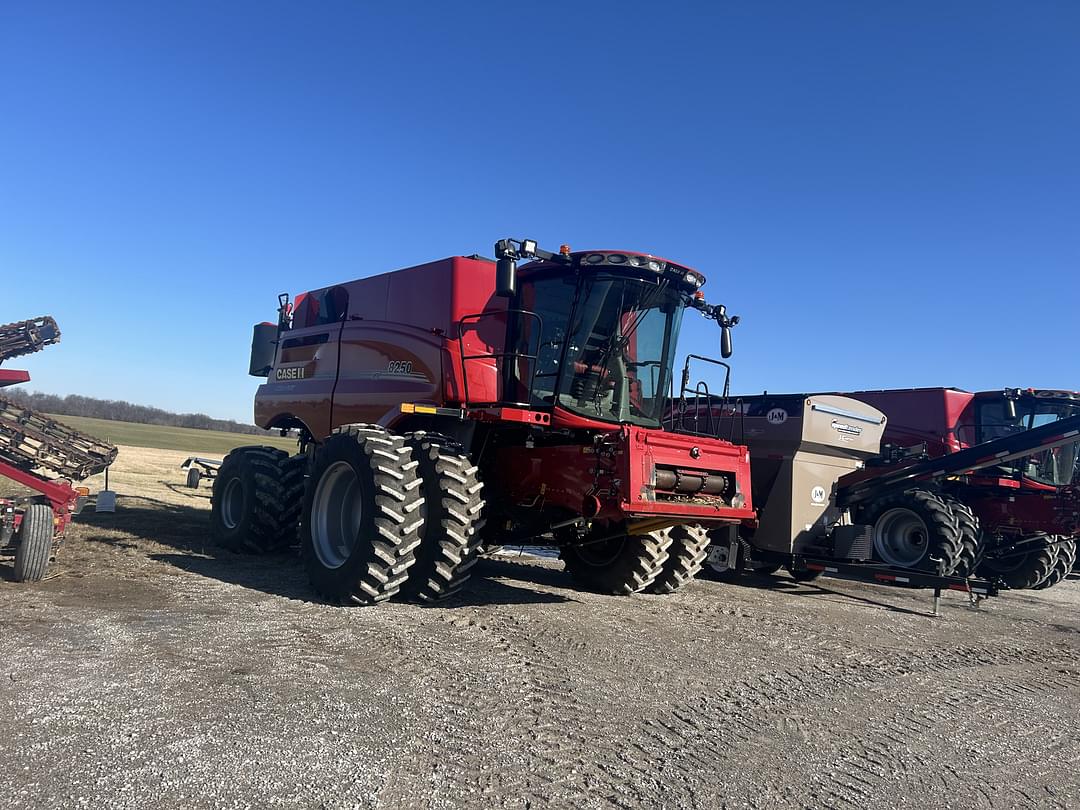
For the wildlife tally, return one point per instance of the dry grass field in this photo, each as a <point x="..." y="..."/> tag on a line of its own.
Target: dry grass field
<point x="153" y="669"/>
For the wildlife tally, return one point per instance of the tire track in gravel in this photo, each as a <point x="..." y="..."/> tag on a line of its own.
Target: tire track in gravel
<point x="722" y="726"/>
<point x="896" y="750"/>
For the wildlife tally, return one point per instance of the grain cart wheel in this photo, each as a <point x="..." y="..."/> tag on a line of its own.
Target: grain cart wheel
<point x="35" y="543"/>
<point x="194" y="475"/>
<point x="971" y="537"/>
<point x="916" y="530"/>
<point x="1066" y="559"/>
<point x="256" y="500"/>
<point x="686" y="554"/>
<point x="362" y="515"/>
<point x="450" y="535"/>
<point x="1023" y="569"/>
<point x="624" y="564"/>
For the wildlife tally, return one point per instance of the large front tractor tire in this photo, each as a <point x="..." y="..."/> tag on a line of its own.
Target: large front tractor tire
<point x="453" y="517"/>
<point x="362" y="515"/>
<point x="917" y="530"/>
<point x="623" y="564"/>
<point x="972" y="543"/>
<point x="255" y="506"/>
<point x="686" y="554"/>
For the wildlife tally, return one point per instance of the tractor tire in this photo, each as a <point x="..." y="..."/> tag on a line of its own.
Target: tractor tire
<point x="35" y="543"/>
<point x="622" y="565"/>
<point x="1066" y="559"/>
<point x="256" y="501"/>
<point x="362" y="516"/>
<point x="453" y="505"/>
<point x="686" y="554"/>
<point x="971" y="537"/>
<point x="194" y="475"/>
<point x="1022" y="571"/>
<point x="917" y="530"/>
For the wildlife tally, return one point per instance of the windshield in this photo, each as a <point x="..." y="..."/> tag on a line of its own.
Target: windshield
<point x="604" y="348"/>
<point x="1057" y="467"/>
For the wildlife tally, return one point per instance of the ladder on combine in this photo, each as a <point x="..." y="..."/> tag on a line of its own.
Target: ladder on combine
<point x="42" y="455"/>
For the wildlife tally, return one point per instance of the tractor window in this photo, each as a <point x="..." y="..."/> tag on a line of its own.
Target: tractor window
<point x="551" y="299"/>
<point x="1057" y="467"/>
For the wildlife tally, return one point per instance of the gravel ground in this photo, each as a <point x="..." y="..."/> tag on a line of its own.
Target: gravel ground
<point x="155" y="670"/>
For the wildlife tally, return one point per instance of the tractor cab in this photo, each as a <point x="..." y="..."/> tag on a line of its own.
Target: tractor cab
<point x="1005" y="413"/>
<point x="593" y="334"/>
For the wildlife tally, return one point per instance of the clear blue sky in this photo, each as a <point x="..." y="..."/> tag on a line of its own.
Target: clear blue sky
<point x="888" y="194"/>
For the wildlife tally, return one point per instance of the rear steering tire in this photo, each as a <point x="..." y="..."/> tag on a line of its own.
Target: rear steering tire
<point x="35" y="543"/>
<point x="255" y="507"/>
<point x="1023" y="570"/>
<point x="621" y="565"/>
<point x="362" y="515"/>
<point x="686" y="554"/>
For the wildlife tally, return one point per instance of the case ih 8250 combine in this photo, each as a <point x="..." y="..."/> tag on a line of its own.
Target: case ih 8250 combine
<point x="466" y="402"/>
<point x="432" y="399"/>
<point x="1016" y="521"/>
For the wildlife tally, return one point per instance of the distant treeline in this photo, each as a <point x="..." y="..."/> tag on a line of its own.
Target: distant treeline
<point x="119" y="411"/>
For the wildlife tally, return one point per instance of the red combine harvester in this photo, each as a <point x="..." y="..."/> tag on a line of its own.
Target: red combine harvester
<point x="1017" y="522"/>
<point x="439" y="399"/>
<point x="31" y="444"/>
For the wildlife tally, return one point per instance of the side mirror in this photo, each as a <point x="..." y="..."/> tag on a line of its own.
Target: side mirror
<point x="725" y="342"/>
<point x="1010" y="408"/>
<point x="505" y="277"/>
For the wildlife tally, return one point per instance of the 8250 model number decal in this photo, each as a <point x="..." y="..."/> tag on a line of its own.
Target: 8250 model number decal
<point x="400" y="367"/>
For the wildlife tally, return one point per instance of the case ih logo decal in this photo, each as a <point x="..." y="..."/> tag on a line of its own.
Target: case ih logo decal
<point x="295" y="373"/>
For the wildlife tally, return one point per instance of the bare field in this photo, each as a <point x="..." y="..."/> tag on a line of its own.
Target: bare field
<point x="154" y="669"/>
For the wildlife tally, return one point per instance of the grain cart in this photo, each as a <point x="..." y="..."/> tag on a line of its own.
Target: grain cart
<point x="42" y="455"/>
<point x="468" y="401"/>
<point x="1016" y="521"/>
<point x="813" y="496"/>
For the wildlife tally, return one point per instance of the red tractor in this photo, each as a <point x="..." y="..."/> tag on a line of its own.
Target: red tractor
<point x="1016" y="522"/>
<point x="466" y="401"/>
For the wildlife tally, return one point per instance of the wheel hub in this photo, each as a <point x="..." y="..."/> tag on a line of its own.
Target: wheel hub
<point x="337" y="511"/>
<point x="901" y="538"/>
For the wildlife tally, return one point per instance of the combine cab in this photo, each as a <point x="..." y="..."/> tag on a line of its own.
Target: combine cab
<point x="42" y="455"/>
<point x="468" y="402"/>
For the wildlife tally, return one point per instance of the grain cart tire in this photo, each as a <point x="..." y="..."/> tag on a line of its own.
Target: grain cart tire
<point x="622" y="565"/>
<point x="1066" y="559"/>
<point x="686" y="554"/>
<point x="255" y="506"/>
<point x="971" y="537"/>
<point x="453" y="505"/>
<point x="194" y="475"/>
<point x="916" y="530"/>
<point x="35" y="543"/>
<point x="362" y="515"/>
<point x="1023" y="570"/>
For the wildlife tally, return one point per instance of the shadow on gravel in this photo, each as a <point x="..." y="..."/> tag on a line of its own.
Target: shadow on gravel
<point x="186" y="529"/>
<point x="810" y="589"/>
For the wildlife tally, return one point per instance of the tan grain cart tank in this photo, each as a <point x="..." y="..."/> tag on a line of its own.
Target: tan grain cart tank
<point x="800" y="446"/>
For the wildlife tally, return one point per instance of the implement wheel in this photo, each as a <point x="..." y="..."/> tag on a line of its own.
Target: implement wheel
<point x="1023" y="569"/>
<point x="917" y="530"/>
<point x="362" y="515"/>
<point x="35" y="543"/>
<point x="450" y="536"/>
<point x="622" y="565"/>
<point x="686" y="554"/>
<point x="256" y="500"/>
